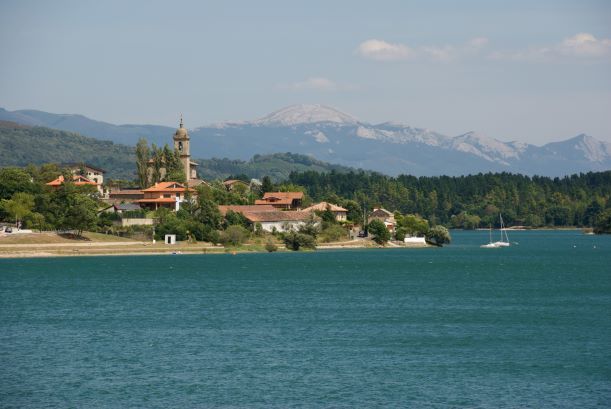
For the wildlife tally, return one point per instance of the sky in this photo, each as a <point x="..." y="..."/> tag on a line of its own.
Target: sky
<point x="531" y="71"/>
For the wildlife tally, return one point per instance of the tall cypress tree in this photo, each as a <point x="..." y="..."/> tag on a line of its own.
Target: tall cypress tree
<point x="143" y="155"/>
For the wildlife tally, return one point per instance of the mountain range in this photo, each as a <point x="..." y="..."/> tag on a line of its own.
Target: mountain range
<point x="22" y="145"/>
<point x="330" y="135"/>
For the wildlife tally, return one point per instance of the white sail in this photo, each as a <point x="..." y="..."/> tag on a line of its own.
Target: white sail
<point x="490" y="245"/>
<point x="504" y="242"/>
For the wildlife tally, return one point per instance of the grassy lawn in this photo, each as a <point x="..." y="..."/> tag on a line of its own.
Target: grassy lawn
<point x="54" y="238"/>
<point x="100" y="237"/>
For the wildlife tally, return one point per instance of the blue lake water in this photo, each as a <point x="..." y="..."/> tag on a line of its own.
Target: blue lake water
<point x="461" y="326"/>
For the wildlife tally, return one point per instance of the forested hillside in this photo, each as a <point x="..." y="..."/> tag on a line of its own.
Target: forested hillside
<point x="471" y="201"/>
<point x="277" y="166"/>
<point x="23" y="145"/>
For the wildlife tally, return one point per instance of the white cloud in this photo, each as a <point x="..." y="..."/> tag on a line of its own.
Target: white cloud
<point x="581" y="45"/>
<point x="382" y="51"/>
<point x="585" y="45"/>
<point x="478" y="42"/>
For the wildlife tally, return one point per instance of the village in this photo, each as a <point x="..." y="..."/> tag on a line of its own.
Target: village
<point x="174" y="207"/>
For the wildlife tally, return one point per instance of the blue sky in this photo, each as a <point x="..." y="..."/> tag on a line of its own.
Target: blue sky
<point x="511" y="70"/>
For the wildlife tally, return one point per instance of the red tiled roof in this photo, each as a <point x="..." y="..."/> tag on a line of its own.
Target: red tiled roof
<point x="78" y="180"/>
<point x="277" y="216"/>
<point x="126" y="192"/>
<point x="56" y="182"/>
<point x="246" y="208"/>
<point x="381" y="213"/>
<point x="157" y="200"/>
<point x="283" y="195"/>
<point x="167" y="187"/>
<point x="322" y="206"/>
<point x="260" y="202"/>
<point x="233" y="182"/>
<point x="197" y="182"/>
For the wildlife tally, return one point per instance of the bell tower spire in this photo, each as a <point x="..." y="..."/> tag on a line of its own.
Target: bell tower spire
<point x="181" y="144"/>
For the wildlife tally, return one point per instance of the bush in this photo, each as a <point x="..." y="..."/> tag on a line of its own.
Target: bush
<point x="438" y="236"/>
<point x="333" y="233"/>
<point x="400" y="233"/>
<point x="270" y="246"/>
<point x="171" y="225"/>
<point x="235" y="219"/>
<point x="234" y="235"/>
<point x="295" y="241"/>
<point x="379" y="231"/>
<point x="413" y="224"/>
<point x="311" y="227"/>
<point x="603" y="223"/>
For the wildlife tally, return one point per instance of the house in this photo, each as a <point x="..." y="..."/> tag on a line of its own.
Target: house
<point x="128" y="214"/>
<point x="92" y="173"/>
<point x="282" y="200"/>
<point x="78" y="180"/>
<point x="339" y="212"/>
<point x="164" y="194"/>
<point x="233" y="184"/>
<point x="126" y="207"/>
<point x="124" y="195"/>
<point x="269" y="217"/>
<point x="223" y="209"/>
<point x="385" y="217"/>
<point x="278" y="220"/>
<point x="193" y="183"/>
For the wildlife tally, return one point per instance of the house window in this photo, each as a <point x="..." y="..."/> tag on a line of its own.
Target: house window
<point x="167" y="195"/>
<point x="178" y="195"/>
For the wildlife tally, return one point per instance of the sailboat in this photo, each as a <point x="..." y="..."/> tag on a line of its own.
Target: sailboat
<point x="504" y="242"/>
<point x="490" y="245"/>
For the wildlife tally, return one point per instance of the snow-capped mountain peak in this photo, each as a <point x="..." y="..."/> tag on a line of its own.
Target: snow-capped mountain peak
<point x="590" y="148"/>
<point x="306" y="114"/>
<point x="485" y="147"/>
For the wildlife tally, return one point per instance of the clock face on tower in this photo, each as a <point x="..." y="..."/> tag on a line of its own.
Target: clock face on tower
<point x="180" y="146"/>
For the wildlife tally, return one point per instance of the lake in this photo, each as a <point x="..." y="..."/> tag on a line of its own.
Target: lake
<point x="461" y="326"/>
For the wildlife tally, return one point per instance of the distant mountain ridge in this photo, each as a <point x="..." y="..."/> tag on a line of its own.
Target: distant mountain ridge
<point x="21" y="145"/>
<point x="333" y="136"/>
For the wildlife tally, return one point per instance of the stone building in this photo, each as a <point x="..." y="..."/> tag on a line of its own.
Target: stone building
<point x="181" y="144"/>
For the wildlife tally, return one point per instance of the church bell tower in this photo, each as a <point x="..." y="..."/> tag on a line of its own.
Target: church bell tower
<point x="181" y="144"/>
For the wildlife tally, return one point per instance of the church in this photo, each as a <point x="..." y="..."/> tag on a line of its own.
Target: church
<point x="181" y="145"/>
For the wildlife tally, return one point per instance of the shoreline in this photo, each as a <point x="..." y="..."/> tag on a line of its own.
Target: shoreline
<point x="133" y="248"/>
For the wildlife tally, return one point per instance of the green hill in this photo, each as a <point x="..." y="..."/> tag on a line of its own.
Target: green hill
<point x="22" y="145"/>
<point x="277" y="166"/>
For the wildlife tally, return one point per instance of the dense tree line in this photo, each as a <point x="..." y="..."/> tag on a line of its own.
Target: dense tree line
<point x="157" y="164"/>
<point x="27" y="201"/>
<point x="471" y="201"/>
<point x="276" y="166"/>
<point x="419" y="204"/>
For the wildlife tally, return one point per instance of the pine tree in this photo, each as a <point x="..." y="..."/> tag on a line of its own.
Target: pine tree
<point x="143" y="155"/>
